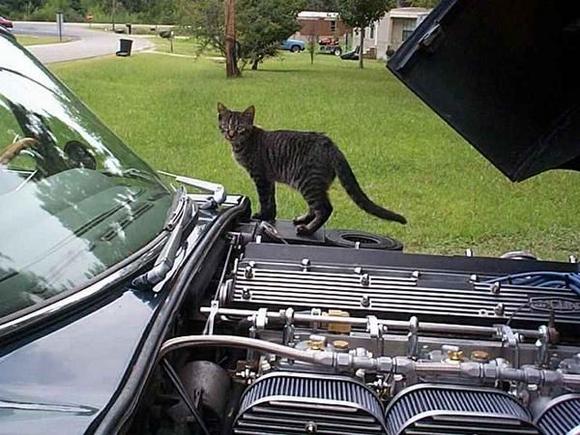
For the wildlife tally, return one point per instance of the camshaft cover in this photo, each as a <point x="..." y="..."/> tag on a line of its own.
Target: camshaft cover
<point x="363" y="282"/>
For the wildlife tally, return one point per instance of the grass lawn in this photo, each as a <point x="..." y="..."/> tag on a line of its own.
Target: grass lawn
<point x="181" y="45"/>
<point x="405" y="157"/>
<point x="38" y="40"/>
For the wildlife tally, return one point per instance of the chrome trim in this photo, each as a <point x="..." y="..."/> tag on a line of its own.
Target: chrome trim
<point x="218" y="191"/>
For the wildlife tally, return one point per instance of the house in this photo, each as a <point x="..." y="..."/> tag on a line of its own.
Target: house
<point x="321" y="25"/>
<point x="390" y="31"/>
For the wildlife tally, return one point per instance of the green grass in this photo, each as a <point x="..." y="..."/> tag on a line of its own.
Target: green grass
<point x="405" y="157"/>
<point x="181" y="45"/>
<point x="38" y="40"/>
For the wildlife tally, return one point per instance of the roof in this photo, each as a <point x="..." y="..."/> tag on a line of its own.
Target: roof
<point x="314" y="15"/>
<point x="408" y="12"/>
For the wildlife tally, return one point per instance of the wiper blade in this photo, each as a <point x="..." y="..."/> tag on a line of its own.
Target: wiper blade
<point x="218" y="191"/>
<point x="184" y="213"/>
<point x="130" y="173"/>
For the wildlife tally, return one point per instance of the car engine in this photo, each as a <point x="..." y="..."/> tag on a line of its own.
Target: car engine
<point x="301" y="337"/>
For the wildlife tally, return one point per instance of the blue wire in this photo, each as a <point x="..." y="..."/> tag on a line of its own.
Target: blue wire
<point x="543" y="279"/>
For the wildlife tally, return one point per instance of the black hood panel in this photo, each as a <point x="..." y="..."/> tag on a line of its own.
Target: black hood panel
<point x="505" y="75"/>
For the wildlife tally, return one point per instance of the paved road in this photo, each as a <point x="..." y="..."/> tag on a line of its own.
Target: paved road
<point x="86" y="42"/>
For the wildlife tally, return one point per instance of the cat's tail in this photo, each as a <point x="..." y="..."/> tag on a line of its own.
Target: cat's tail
<point x="350" y="184"/>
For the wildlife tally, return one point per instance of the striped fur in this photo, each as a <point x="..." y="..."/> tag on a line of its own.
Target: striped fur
<point x="306" y="161"/>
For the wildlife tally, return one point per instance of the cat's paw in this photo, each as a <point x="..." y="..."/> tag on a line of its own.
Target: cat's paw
<point x="303" y="219"/>
<point x="303" y="230"/>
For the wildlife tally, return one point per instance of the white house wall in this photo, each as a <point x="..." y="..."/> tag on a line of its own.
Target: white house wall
<point x="388" y="32"/>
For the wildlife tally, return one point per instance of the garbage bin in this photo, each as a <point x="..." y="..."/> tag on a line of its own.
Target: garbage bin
<point x="129" y="28"/>
<point x="125" y="49"/>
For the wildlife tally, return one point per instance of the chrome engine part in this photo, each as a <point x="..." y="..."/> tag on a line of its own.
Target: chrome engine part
<point x="452" y="409"/>
<point x="561" y="416"/>
<point x="280" y="403"/>
<point x="344" y="341"/>
<point x="453" y="290"/>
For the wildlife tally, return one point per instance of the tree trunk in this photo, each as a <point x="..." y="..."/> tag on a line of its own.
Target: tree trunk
<point x="232" y="69"/>
<point x="312" y="47"/>
<point x="362" y="41"/>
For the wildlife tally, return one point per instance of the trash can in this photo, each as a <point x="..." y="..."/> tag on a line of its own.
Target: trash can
<point x="125" y="49"/>
<point x="129" y="28"/>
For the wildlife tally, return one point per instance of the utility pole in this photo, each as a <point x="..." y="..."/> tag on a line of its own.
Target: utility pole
<point x="232" y="69"/>
<point x="113" y="10"/>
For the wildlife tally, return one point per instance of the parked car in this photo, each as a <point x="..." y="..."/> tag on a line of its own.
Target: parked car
<point x="5" y="22"/>
<point x="351" y="54"/>
<point x="293" y="45"/>
<point x="329" y="46"/>
<point x="129" y="305"/>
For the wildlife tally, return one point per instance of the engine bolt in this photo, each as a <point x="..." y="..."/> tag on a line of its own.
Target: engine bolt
<point x="365" y="280"/>
<point x="246" y="293"/>
<point x="455" y="355"/>
<point x="365" y="301"/>
<point x="316" y="342"/>
<point x="311" y="427"/>
<point x="340" y="344"/>
<point x="479" y="356"/>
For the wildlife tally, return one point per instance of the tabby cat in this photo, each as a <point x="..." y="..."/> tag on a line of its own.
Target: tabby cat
<point x="306" y="161"/>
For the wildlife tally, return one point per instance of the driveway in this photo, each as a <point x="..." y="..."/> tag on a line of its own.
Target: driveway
<point x="86" y="42"/>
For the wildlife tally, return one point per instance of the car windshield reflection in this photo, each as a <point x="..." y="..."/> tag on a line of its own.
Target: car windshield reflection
<point x="74" y="200"/>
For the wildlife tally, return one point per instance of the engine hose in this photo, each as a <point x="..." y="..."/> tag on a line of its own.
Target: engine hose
<point x="318" y="358"/>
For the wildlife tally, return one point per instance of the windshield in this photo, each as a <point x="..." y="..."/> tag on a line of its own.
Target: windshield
<point x="74" y="201"/>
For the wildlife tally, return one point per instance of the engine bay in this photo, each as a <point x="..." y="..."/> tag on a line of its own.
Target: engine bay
<point x="289" y="337"/>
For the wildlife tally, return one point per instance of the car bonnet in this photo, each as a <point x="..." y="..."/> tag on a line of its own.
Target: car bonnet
<point x="505" y="75"/>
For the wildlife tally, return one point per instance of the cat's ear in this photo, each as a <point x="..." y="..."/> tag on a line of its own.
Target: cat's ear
<point x="221" y="109"/>
<point x="249" y="113"/>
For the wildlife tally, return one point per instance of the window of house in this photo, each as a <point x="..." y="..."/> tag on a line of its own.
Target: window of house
<point x="409" y="25"/>
<point x="406" y="34"/>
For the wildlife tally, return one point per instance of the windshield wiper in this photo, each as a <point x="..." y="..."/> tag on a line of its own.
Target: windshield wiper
<point x="218" y="191"/>
<point x="184" y="213"/>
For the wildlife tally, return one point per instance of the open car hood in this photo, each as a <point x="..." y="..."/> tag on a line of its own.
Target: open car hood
<point x="505" y="75"/>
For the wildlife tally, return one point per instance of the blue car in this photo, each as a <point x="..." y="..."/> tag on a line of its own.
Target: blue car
<point x="293" y="45"/>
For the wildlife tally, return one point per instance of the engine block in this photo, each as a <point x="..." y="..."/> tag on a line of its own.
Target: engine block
<point x="367" y="341"/>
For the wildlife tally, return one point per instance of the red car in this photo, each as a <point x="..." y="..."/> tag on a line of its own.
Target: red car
<point x="5" y="22"/>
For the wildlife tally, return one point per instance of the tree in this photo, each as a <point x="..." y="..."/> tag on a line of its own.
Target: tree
<point x="263" y="24"/>
<point x="418" y="3"/>
<point x="51" y="7"/>
<point x="321" y="5"/>
<point x="361" y="14"/>
<point x="260" y="25"/>
<point x="205" y="19"/>
<point x="232" y="69"/>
